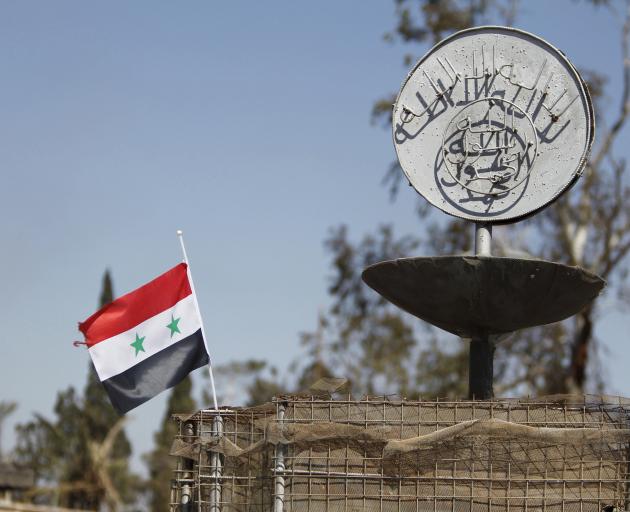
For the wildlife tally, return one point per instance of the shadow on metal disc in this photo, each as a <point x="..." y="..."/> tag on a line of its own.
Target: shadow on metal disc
<point x="477" y="296"/>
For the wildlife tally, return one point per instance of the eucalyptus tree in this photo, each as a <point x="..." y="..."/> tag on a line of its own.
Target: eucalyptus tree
<point x="384" y="350"/>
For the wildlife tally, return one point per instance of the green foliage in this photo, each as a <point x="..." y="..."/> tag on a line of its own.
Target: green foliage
<point x="252" y="381"/>
<point x="6" y="409"/>
<point x="316" y="367"/>
<point x="368" y="340"/>
<point x="107" y="290"/>
<point x="421" y="21"/>
<point x="159" y="462"/>
<point x="61" y="451"/>
<point x="100" y="416"/>
<point x="580" y="228"/>
<point x="57" y="453"/>
<point x="442" y="369"/>
<point x="383" y="350"/>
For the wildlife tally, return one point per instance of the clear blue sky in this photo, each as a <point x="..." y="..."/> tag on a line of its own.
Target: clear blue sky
<point x="244" y="124"/>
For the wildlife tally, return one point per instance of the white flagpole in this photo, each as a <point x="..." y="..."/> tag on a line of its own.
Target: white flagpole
<point x="180" y="235"/>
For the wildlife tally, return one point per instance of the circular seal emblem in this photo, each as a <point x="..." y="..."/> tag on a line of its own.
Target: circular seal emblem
<point x="492" y="125"/>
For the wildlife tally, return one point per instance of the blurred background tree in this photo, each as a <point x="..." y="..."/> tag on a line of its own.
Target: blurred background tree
<point x="383" y="350"/>
<point x="159" y="463"/>
<point x="81" y="457"/>
<point x="6" y="409"/>
<point x="589" y="227"/>
<point x="257" y="378"/>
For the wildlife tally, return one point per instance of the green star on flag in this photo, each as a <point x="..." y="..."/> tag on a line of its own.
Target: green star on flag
<point x="137" y="344"/>
<point x="173" y="325"/>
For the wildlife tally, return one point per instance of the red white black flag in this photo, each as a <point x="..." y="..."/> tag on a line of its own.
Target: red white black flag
<point x="148" y="340"/>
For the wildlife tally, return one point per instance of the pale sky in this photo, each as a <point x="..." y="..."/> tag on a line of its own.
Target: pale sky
<point x="247" y="125"/>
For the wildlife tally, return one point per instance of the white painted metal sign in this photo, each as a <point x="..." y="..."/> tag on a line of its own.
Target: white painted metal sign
<point x="493" y="124"/>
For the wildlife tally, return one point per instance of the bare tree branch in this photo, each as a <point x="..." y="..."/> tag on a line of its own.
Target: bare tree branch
<point x="624" y="109"/>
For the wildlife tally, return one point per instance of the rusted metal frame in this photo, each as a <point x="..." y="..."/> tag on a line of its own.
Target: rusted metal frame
<point x="344" y="476"/>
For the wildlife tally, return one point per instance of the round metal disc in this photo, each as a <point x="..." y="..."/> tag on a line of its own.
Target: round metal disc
<point x="492" y="125"/>
<point x="479" y="296"/>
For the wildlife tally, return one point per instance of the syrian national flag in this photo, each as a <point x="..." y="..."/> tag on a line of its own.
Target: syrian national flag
<point x="148" y="340"/>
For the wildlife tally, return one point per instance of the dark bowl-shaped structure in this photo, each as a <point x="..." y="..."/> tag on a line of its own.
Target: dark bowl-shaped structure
<point x="473" y="296"/>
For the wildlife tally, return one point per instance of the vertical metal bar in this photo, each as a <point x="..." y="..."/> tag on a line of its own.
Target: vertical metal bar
<point x="472" y="485"/>
<point x="564" y="470"/>
<point x="401" y="436"/>
<point x="309" y="477"/>
<point x="345" y="508"/>
<point x="186" y="496"/>
<point x="544" y="496"/>
<point x="481" y="357"/>
<point x="251" y="495"/>
<point x="345" y="480"/>
<point x="509" y="483"/>
<point x="216" y="467"/>
<point x="582" y="481"/>
<point x="490" y="478"/>
<point x="481" y="368"/>
<point x="419" y="413"/>
<point x="198" y="486"/>
<point x="599" y="484"/>
<point x="582" y="461"/>
<point x="293" y="415"/>
<point x="527" y="484"/>
<point x="483" y="239"/>
<point x="327" y="506"/>
<point x="328" y="463"/>
<point x="435" y="489"/>
<point x="178" y="474"/>
<point x="453" y="491"/>
<point x="278" y="501"/>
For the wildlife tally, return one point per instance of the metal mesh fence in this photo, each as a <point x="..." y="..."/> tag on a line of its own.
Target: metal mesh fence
<point x="319" y="455"/>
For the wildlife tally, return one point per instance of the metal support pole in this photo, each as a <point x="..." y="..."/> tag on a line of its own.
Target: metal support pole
<point x="483" y="239"/>
<point x="481" y="369"/>
<point x="278" y="500"/>
<point x="186" y="497"/>
<point x="481" y="357"/>
<point x="216" y="467"/>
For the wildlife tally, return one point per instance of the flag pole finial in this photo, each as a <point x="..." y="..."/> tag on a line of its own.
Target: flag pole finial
<point x="180" y="235"/>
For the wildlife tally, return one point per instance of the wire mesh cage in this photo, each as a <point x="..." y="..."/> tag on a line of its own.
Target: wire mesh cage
<point x="318" y="455"/>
